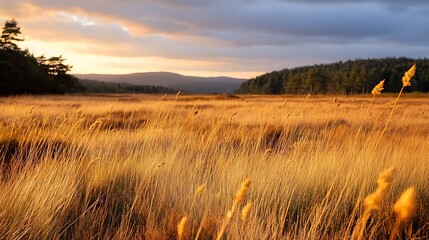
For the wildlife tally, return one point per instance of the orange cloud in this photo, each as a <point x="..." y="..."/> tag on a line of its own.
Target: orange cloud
<point x="26" y="13"/>
<point x="215" y="36"/>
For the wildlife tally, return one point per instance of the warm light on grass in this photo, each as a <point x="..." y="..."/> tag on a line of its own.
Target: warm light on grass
<point x="133" y="166"/>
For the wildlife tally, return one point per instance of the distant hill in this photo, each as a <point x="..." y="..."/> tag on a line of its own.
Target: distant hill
<point x="349" y="77"/>
<point x="171" y="81"/>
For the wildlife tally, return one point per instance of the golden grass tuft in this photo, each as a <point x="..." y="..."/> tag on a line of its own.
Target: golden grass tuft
<point x="406" y="79"/>
<point x="378" y="88"/>
<point x="406" y="82"/>
<point x="373" y="201"/>
<point x="405" y="206"/>
<point x="181" y="227"/>
<point x="239" y="196"/>
<point x="246" y="211"/>
<point x="141" y="167"/>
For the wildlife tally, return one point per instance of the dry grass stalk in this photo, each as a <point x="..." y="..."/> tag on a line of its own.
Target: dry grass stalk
<point x="373" y="201"/>
<point x="200" y="189"/>
<point x="406" y="82"/>
<point x="239" y="196"/>
<point x="200" y="228"/>
<point x="375" y="91"/>
<point x="268" y="151"/>
<point x="284" y="104"/>
<point x="122" y="195"/>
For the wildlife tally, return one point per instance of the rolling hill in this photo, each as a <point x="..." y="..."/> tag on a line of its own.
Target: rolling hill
<point x="172" y="81"/>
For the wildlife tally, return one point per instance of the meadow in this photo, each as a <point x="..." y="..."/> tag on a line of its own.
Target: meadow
<point x="135" y="166"/>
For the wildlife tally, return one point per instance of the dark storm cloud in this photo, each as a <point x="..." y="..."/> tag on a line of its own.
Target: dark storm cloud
<point x="385" y="2"/>
<point x="217" y="19"/>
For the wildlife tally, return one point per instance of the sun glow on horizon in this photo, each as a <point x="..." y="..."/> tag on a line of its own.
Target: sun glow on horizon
<point x="103" y="64"/>
<point x="215" y="38"/>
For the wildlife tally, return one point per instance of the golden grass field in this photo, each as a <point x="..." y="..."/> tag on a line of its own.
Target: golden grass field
<point x="132" y="166"/>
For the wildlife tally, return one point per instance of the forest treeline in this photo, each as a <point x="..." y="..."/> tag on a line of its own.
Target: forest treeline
<point x="349" y="77"/>
<point x="92" y="86"/>
<point x="23" y="73"/>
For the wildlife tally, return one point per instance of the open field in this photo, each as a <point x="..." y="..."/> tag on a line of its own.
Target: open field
<point x="130" y="166"/>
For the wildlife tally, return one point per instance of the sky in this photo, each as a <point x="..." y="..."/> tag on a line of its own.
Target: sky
<point x="237" y="38"/>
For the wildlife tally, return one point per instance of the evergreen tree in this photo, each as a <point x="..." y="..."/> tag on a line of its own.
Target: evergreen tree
<point x="349" y="77"/>
<point x="22" y="73"/>
<point x="10" y="35"/>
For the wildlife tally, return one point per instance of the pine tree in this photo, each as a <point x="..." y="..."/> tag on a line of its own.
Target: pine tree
<point x="10" y="35"/>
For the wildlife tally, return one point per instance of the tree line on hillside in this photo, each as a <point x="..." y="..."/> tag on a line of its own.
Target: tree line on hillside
<point x="23" y="73"/>
<point x="92" y="86"/>
<point x="350" y="77"/>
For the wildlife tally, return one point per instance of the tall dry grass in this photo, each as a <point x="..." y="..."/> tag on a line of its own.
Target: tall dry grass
<point x="133" y="166"/>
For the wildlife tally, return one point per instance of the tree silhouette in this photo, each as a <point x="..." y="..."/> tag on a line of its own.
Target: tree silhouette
<point x="9" y="35"/>
<point x="22" y="73"/>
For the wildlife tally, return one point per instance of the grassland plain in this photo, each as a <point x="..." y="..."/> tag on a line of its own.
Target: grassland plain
<point x="133" y="166"/>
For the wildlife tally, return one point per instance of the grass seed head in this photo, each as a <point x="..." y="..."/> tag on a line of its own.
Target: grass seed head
<point x="246" y="211"/>
<point x="406" y="79"/>
<point x="386" y="177"/>
<point x="181" y="227"/>
<point x="373" y="201"/>
<point x="242" y="192"/>
<point x="378" y="88"/>
<point x="404" y="207"/>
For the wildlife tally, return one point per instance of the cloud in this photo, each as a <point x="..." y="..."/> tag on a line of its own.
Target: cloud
<point x="223" y="35"/>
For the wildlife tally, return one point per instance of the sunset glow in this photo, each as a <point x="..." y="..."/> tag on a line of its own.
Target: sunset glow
<point x="217" y="38"/>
